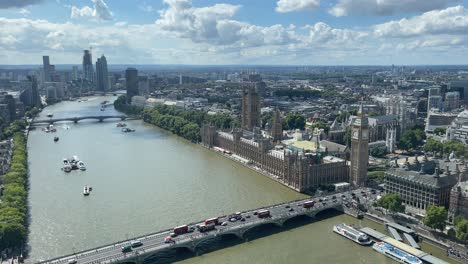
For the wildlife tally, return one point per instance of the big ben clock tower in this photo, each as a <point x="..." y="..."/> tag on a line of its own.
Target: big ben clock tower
<point x="359" y="149"/>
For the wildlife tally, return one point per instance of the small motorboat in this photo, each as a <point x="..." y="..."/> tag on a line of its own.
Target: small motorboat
<point x="50" y="115"/>
<point x="75" y="158"/>
<point x="121" y="124"/>
<point x="67" y="168"/>
<point x="56" y="139"/>
<point x="81" y="165"/>
<point x="126" y="129"/>
<point x="86" y="190"/>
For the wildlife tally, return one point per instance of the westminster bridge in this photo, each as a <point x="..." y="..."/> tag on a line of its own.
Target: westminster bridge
<point x="155" y="243"/>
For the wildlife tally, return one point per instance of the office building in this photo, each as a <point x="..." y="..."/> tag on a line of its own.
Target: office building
<point x="422" y="183"/>
<point x="460" y="86"/>
<point x="75" y="74"/>
<point x="131" y="80"/>
<point x="102" y="75"/>
<point x="452" y="101"/>
<point x="88" y="69"/>
<point x="46" y="68"/>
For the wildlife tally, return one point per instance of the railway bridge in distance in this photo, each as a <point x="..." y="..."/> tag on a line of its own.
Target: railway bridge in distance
<point x="154" y="244"/>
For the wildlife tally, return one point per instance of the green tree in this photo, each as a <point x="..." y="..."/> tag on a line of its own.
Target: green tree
<point x="321" y="125"/>
<point x="454" y="146"/>
<point x="433" y="145"/>
<point x="294" y="121"/>
<point x="267" y="118"/>
<point x="439" y="131"/>
<point x="379" y="152"/>
<point x="435" y="217"/>
<point x="462" y="229"/>
<point x="391" y="202"/>
<point x="376" y="175"/>
<point x="412" y="139"/>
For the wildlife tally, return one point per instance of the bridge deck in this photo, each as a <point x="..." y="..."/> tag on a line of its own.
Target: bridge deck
<point x="153" y="243"/>
<point x="78" y="118"/>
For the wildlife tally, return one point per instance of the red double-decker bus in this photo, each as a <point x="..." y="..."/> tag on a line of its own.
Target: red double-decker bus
<point x="213" y="220"/>
<point x="181" y="229"/>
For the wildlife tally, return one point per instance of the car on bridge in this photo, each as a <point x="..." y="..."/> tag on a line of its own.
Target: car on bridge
<point x="136" y="243"/>
<point x="72" y="261"/>
<point x="127" y="247"/>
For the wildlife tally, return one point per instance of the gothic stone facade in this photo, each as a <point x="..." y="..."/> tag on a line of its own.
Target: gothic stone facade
<point x="293" y="169"/>
<point x="422" y="184"/>
<point x="250" y="108"/>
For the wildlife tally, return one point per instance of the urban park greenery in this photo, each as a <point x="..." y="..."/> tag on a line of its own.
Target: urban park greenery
<point x="461" y="226"/>
<point x="435" y="217"/>
<point x="184" y="123"/>
<point x="391" y="202"/>
<point x="13" y="206"/>
<point x="412" y="139"/>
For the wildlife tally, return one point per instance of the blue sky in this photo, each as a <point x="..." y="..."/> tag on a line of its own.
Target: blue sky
<point x="300" y="32"/>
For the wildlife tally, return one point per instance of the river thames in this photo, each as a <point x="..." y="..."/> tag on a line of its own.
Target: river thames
<point x="151" y="180"/>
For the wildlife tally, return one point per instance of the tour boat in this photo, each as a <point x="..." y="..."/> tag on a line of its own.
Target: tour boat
<point x="126" y="129"/>
<point x="67" y="168"/>
<point x="81" y="165"/>
<point x="86" y="191"/>
<point x="75" y="158"/>
<point x="395" y="253"/>
<point x="50" y="115"/>
<point x="352" y="234"/>
<point x="56" y="139"/>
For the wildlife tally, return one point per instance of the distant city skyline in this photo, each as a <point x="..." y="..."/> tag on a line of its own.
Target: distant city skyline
<point x="233" y="32"/>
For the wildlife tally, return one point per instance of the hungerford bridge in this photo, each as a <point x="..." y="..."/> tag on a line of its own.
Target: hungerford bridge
<point x="154" y="244"/>
<point x="100" y="118"/>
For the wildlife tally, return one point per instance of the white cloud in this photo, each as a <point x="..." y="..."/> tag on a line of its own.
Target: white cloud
<point x="284" y="6"/>
<point x="323" y="35"/>
<point x="386" y="7"/>
<point x="146" y="7"/>
<point x="452" y="20"/>
<point x="24" y="12"/>
<point x="211" y="35"/>
<point x="214" y="25"/>
<point x="18" y="3"/>
<point x="100" y="11"/>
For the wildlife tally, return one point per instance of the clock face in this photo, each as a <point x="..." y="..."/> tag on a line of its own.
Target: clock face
<point x="364" y="134"/>
<point x="355" y="134"/>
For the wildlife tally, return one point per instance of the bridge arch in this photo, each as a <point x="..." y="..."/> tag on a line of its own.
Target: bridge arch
<point x="262" y="228"/>
<point x="297" y="219"/>
<point x="168" y="255"/>
<point x="328" y="212"/>
<point x="221" y="237"/>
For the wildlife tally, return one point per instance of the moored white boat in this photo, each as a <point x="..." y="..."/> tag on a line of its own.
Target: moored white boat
<point x="81" y="165"/>
<point x="86" y="190"/>
<point x="67" y="168"/>
<point x="352" y="234"/>
<point x="395" y="253"/>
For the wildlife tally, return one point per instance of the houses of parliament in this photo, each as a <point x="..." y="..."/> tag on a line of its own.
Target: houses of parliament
<point x="296" y="169"/>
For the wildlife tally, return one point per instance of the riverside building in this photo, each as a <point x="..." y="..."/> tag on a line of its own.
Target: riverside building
<point x="422" y="183"/>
